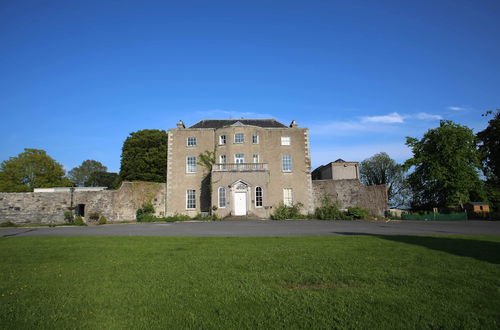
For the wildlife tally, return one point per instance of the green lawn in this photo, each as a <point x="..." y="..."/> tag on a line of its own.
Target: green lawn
<point x="287" y="282"/>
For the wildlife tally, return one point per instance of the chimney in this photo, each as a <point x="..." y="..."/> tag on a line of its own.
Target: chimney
<point x="180" y="124"/>
<point x="293" y="124"/>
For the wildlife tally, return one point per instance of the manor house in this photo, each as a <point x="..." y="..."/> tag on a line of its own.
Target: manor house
<point x="257" y="164"/>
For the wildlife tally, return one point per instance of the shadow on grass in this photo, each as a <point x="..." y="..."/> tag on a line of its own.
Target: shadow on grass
<point x="473" y="248"/>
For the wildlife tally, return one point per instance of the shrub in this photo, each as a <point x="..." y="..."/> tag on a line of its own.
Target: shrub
<point x="329" y="210"/>
<point x="94" y="216"/>
<point x="102" y="220"/>
<point x="211" y="217"/>
<point x="284" y="212"/>
<point x="356" y="212"/>
<point x="145" y="213"/>
<point x="68" y="216"/>
<point x="79" y="221"/>
<point x="7" y="224"/>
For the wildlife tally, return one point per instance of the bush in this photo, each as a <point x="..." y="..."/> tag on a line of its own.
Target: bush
<point x="7" y="224"/>
<point x="356" y="212"/>
<point x="94" y="216"/>
<point x="284" y="212"/>
<point x="79" y="221"/>
<point x="329" y="210"/>
<point x="145" y="213"/>
<point x="68" y="216"/>
<point x="102" y="220"/>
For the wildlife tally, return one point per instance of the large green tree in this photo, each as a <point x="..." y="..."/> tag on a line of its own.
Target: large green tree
<point x="446" y="167"/>
<point x="144" y="156"/>
<point x="489" y="149"/>
<point x="32" y="168"/>
<point x="382" y="169"/>
<point x="79" y="175"/>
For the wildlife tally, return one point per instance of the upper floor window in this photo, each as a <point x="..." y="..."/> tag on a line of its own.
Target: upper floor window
<point x="222" y="197"/>
<point x="258" y="197"/>
<point x="288" y="196"/>
<point x="255" y="139"/>
<point x="222" y="139"/>
<point x="190" y="199"/>
<point x="191" y="141"/>
<point x="286" y="164"/>
<point x="255" y="158"/>
<point x="285" y="141"/>
<point x="222" y="159"/>
<point x="239" y="158"/>
<point x="191" y="165"/>
<point x="239" y="138"/>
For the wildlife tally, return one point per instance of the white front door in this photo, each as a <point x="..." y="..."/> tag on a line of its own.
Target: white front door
<point x="240" y="203"/>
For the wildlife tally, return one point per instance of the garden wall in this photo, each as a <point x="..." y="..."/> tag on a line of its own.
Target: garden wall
<point x="351" y="193"/>
<point x="49" y="207"/>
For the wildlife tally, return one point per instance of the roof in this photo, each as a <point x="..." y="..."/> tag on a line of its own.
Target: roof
<point x="218" y="123"/>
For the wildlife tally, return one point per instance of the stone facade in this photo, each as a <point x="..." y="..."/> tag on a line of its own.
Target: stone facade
<point x="257" y="163"/>
<point x="352" y="193"/>
<point x="49" y="207"/>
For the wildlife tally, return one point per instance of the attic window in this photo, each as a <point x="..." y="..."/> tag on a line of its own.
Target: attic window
<point x="191" y="141"/>
<point x="285" y="141"/>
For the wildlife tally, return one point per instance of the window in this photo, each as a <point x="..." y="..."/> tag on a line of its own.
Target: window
<point x="222" y="197"/>
<point x="239" y="138"/>
<point x="255" y="158"/>
<point x="287" y="196"/>
<point x="222" y="159"/>
<point x="255" y="139"/>
<point x="258" y="197"/>
<point x="191" y="141"/>
<point x="286" y="164"/>
<point x="190" y="199"/>
<point x="222" y="139"/>
<point x="191" y="165"/>
<point x="239" y="158"/>
<point x="285" y="141"/>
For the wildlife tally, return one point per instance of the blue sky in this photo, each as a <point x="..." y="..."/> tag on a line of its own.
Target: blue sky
<point x="76" y="77"/>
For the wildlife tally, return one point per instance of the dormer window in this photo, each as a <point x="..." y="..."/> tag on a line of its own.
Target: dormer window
<point x="239" y="138"/>
<point x="191" y="141"/>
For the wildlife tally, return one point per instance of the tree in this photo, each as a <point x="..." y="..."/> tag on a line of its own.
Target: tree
<point x="382" y="169"/>
<point x="489" y="149"/>
<point x="79" y="175"/>
<point x="103" y="179"/>
<point x="32" y="168"/>
<point x="144" y="156"/>
<point x="446" y="167"/>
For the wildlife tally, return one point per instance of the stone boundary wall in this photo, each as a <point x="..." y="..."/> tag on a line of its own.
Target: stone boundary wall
<point x="49" y="207"/>
<point x="351" y="193"/>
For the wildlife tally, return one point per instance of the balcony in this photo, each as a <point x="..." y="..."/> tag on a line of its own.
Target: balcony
<point x="241" y="167"/>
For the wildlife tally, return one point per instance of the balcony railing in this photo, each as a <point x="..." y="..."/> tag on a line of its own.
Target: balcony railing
<point x="241" y="167"/>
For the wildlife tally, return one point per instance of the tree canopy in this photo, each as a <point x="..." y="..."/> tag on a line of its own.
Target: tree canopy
<point x="144" y="156"/>
<point x="103" y="179"/>
<point x="446" y="167"/>
<point x="79" y="175"/>
<point x="489" y="150"/>
<point x="382" y="169"/>
<point x="32" y="168"/>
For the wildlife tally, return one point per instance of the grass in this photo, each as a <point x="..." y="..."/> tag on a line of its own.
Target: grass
<point x="286" y="282"/>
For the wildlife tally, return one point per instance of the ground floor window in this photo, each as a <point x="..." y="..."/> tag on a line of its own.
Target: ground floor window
<point x="258" y="196"/>
<point x="222" y="197"/>
<point x="288" y="196"/>
<point x="191" y="199"/>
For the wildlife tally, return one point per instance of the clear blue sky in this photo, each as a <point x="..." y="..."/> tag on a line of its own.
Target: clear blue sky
<point x="76" y="77"/>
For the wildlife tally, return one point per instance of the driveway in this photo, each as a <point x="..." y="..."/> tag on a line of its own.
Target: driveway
<point x="266" y="228"/>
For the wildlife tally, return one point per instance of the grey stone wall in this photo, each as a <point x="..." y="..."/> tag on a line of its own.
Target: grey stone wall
<point x="351" y="193"/>
<point x="49" y="207"/>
